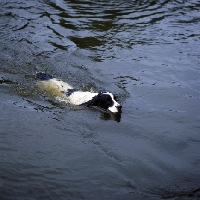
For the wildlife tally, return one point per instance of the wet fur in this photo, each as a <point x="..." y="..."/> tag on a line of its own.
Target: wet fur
<point x="64" y="91"/>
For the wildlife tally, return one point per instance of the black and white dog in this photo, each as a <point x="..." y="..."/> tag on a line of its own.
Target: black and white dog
<point x="64" y="91"/>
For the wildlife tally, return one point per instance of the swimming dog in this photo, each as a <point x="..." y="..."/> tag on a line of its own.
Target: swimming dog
<point x="64" y="91"/>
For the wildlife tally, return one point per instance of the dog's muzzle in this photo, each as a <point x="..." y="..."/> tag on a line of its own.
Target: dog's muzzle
<point x="119" y="108"/>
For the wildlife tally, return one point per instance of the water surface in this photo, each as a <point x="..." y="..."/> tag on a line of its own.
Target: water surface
<point x="145" y="52"/>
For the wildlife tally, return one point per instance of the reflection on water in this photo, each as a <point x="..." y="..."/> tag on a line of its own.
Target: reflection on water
<point x="108" y="116"/>
<point x="145" y="52"/>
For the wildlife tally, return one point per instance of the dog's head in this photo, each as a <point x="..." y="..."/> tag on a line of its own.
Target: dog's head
<point x="107" y="101"/>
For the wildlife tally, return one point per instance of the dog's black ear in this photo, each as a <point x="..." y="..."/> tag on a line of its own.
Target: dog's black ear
<point x="93" y="102"/>
<point x="87" y="104"/>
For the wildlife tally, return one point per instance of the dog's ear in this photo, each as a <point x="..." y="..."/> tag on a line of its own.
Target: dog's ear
<point x="93" y="102"/>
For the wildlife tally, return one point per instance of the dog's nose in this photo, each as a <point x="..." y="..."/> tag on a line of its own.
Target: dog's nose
<point x="119" y="108"/>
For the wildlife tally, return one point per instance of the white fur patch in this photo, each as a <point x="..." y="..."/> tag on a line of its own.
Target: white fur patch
<point x="58" y="88"/>
<point x="79" y="97"/>
<point x="54" y="87"/>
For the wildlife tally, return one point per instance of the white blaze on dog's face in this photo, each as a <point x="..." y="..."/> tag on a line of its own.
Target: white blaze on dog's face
<point x="116" y="107"/>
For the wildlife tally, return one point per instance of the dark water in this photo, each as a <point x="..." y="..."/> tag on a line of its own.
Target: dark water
<point x="147" y="53"/>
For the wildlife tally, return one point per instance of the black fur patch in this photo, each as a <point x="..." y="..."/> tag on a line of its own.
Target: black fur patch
<point x="104" y="101"/>
<point x="70" y="91"/>
<point x="101" y="100"/>
<point x="43" y="76"/>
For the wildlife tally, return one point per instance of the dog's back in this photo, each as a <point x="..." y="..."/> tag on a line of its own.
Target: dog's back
<point x="52" y="86"/>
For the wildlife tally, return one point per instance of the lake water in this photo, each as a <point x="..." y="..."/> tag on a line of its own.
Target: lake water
<point x="145" y="52"/>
